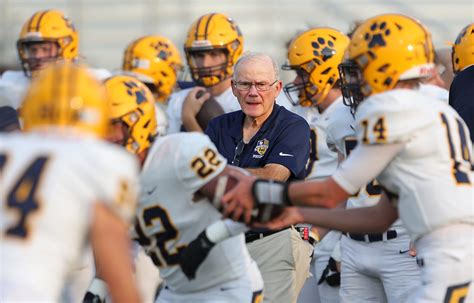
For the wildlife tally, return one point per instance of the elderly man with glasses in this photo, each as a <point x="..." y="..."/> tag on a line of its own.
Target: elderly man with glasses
<point x="269" y="142"/>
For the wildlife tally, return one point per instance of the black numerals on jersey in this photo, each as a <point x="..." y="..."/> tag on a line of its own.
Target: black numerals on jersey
<point x="313" y="152"/>
<point x="3" y="160"/>
<point x="379" y="129"/>
<point x="206" y="164"/>
<point x="22" y="196"/>
<point x="373" y="188"/>
<point x="160" y="255"/>
<point x="460" y="176"/>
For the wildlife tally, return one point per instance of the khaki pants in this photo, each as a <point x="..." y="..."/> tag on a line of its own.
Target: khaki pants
<point x="283" y="259"/>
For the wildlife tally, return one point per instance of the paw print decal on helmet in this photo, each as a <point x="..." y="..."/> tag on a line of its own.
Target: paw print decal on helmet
<point x="323" y="48"/>
<point x="134" y="90"/>
<point x="377" y="34"/>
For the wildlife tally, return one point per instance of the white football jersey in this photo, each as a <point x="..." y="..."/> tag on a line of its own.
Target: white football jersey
<point x="16" y="83"/>
<point x="161" y="119"/>
<point x="48" y="188"/>
<point x="169" y="216"/>
<point x="432" y="174"/>
<point x="322" y="161"/>
<point x="434" y="91"/>
<point x="341" y="133"/>
<point x="226" y="100"/>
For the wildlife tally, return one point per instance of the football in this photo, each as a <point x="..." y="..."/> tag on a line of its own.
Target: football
<point x="209" y="110"/>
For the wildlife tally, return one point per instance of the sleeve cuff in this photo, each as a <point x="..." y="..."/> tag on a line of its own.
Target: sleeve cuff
<point x="344" y="183"/>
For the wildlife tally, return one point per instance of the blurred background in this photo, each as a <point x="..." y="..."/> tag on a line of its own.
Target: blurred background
<point x="107" y="26"/>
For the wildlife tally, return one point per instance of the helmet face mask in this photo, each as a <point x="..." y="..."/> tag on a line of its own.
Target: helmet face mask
<point x="351" y="84"/>
<point x="47" y="27"/>
<point x="211" y="33"/>
<point x="209" y="74"/>
<point x="315" y="55"/>
<point x="155" y="61"/>
<point x="305" y="90"/>
<point x="133" y="113"/>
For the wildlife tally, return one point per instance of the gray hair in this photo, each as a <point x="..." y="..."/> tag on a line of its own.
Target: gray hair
<point x="259" y="56"/>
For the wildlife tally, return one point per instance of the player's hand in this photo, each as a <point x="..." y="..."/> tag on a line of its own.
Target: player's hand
<point x="194" y="101"/>
<point x="289" y="216"/>
<point x="192" y="257"/>
<point x="239" y="202"/>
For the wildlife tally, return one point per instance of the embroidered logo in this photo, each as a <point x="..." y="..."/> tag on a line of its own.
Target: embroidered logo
<point x="261" y="148"/>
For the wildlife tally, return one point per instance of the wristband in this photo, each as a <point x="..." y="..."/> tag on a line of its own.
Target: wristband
<point x="217" y="232"/>
<point x="270" y="192"/>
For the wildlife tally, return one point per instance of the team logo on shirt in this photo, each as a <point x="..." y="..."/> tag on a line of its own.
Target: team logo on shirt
<point x="261" y="148"/>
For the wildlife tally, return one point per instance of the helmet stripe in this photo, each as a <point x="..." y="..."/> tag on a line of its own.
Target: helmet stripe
<point x="30" y="23"/>
<point x="40" y="18"/>
<point x="207" y="25"/>
<point x="196" y="33"/>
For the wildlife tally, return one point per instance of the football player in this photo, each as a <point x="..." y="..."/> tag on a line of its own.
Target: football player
<point x="314" y="55"/>
<point x="63" y="188"/>
<point x="213" y="45"/>
<point x="155" y="61"/>
<point x="461" y="92"/>
<point x="178" y="174"/>
<point x="384" y="269"/>
<point x="47" y="36"/>
<point x="417" y="147"/>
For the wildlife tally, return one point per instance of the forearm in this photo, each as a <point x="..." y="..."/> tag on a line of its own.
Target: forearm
<point x="271" y="172"/>
<point x="373" y="219"/>
<point x="326" y="193"/>
<point x="111" y="247"/>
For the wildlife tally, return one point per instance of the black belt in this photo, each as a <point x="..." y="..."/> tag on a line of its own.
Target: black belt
<point x="391" y="234"/>
<point x="251" y="236"/>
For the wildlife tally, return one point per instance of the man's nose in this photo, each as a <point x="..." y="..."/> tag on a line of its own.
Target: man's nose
<point x="253" y="90"/>
<point x="207" y="60"/>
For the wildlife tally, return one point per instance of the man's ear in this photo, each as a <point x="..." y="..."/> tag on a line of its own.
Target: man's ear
<point x="233" y="88"/>
<point x="279" y="86"/>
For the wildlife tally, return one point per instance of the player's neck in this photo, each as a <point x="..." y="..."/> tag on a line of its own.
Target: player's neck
<point x="253" y="124"/>
<point x="330" y="98"/>
<point x="219" y="88"/>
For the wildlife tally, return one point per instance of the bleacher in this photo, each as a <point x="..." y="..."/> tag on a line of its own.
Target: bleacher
<point x="106" y="26"/>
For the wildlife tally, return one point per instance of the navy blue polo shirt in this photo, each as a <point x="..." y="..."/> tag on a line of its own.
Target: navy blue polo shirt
<point x="282" y="139"/>
<point x="461" y="97"/>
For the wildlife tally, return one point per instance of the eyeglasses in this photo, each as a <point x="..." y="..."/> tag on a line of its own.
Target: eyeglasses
<point x="238" y="151"/>
<point x="260" y="86"/>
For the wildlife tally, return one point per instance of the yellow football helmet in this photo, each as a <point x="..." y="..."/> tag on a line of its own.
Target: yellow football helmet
<point x="213" y="31"/>
<point x="463" y="49"/>
<point x="132" y="103"/>
<point x="315" y="55"/>
<point x="386" y="49"/>
<point x="47" y="26"/>
<point x="155" y="61"/>
<point x="66" y="96"/>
